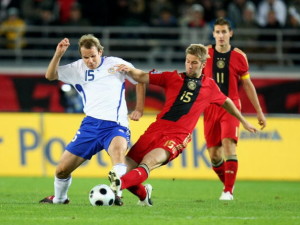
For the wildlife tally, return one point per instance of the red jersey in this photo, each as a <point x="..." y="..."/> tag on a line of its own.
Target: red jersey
<point x="227" y="69"/>
<point x="186" y="98"/>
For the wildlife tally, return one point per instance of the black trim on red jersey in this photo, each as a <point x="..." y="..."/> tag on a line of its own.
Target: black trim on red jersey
<point x="185" y="98"/>
<point x="221" y="69"/>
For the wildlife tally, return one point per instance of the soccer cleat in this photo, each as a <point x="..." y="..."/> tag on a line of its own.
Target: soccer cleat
<point x="49" y="200"/>
<point x="226" y="196"/>
<point x="115" y="185"/>
<point x="147" y="201"/>
<point x="118" y="201"/>
<point x="115" y="182"/>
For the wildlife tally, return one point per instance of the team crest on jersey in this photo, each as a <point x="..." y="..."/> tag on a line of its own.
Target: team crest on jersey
<point x="111" y="70"/>
<point x="220" y="63"/>
<point x="191" y="85"/>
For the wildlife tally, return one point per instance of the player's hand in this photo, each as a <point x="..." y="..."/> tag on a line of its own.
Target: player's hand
<point x="123" y="68"/>
<point x="249" y="127"/>
<point x="136" y="115"/>
<point x="62" y="47"/>
<point x="261" y="120"/>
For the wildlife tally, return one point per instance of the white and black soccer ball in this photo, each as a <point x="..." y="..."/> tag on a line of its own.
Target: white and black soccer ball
<point x="101" y="195"/>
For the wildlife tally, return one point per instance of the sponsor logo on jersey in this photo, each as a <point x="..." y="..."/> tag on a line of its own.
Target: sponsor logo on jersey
<point x="220" y="64"/>
<point x="191" y="85"/>
<point x="111" y="70"/>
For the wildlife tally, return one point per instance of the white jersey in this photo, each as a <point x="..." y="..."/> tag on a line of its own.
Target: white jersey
<point x="102" y="89"/>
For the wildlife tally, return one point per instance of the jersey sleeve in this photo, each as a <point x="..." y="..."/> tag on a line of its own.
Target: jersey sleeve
<point x="243" y="66"/>
<point x="129" y="78"/>
<point x="208" y="67"/>
<point x="66" y="73"/>
<point x="160" y="78"/>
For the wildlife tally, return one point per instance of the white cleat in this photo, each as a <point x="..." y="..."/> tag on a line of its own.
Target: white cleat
<point x="226" y="196"/>
<point x="115" y="182"/>
<point x="115" y="185"/>
<point x="147" y="201"/>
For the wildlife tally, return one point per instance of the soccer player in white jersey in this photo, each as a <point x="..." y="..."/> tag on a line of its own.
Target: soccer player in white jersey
<point x="105" y="126"/>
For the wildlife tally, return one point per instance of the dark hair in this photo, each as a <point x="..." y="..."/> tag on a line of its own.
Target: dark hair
<point x="222" y="21"/>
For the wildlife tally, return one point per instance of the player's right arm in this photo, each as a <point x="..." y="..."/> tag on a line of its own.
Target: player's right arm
<point x="137" y="74"/>
<point x="230" y="107"/>
<point x="51" y="73"/>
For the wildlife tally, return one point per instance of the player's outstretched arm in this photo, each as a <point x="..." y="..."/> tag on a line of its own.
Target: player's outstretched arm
<point x="51" y="73"/>
<point x="233" y="110"/>
<point x="137" y="74"/>
<point x="252" y="95"/>
<point x="140" y="101"/>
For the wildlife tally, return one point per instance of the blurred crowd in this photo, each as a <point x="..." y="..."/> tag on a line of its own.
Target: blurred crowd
<point x="15" y="15"/>
<point x="161" y="13"/>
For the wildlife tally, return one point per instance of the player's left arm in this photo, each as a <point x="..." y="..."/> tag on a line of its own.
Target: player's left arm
<point x="252" y="95"/>
<point x="230" y="107"/>
<point x="140" y="101"/>
<point x="249" y="87"/>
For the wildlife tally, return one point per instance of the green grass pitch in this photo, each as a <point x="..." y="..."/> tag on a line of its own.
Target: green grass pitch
<point x="176" y="202"/>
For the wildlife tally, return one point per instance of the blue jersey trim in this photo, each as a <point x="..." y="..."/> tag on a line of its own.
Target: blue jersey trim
<point x="120" y="101"/>
<point x="102" y="61"/>
<point x="80" y="90"/>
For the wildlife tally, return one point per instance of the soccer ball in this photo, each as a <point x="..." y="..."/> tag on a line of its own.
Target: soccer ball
<point x="101" y="195"/>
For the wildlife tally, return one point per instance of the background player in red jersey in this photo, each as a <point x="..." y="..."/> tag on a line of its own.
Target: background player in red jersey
<point x="187" y="95"/>
<point x="228" y="66"/>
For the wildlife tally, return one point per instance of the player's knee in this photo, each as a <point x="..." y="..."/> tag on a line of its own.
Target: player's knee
<point x="216" y="160"/>
<point x="215" y="156"/>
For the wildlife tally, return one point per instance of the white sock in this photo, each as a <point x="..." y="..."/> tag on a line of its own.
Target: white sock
<point x="61" y="187"/>
<point x="120" y="169"/>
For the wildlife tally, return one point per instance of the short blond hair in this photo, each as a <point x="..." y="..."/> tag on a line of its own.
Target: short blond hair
<point x="88" y="41"/>
<point x="198" y="50"/>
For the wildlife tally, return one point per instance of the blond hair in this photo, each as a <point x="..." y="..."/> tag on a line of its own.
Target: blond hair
<point x="88" y="41"/>
<point x="198" y="50"/>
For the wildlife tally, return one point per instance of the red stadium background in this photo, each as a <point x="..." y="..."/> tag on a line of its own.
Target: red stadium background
<point x="33" y="93"/>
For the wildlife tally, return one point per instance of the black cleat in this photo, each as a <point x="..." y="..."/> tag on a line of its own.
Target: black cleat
<point x="49" y="200"/>
<point x="118" y="201"/>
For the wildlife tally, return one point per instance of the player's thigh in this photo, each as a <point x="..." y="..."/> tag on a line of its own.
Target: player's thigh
<point x="212" y="133"/>
<point x="230" y="127"/>
<point x="117" y="149"/>
<point x="118" y="143"/>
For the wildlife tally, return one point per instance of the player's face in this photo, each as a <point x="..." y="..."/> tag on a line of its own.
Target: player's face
<point x="91" y="57"/>
<point x="193" y="66"/>
<point x="222" y="35"/>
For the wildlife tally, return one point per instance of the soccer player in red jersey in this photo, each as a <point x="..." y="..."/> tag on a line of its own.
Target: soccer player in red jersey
<point x="228" y="66"/>
<point x="187" y="95"/>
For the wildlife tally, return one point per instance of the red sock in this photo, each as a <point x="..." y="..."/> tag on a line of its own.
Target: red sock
<point x="134" y="177"/>
<point x="220" y="171"/>
<point x="138" y="190"/>
<point x="231" y="167"/>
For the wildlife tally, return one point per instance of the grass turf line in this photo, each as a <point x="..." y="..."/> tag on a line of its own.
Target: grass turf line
<point x="175" y="202"/>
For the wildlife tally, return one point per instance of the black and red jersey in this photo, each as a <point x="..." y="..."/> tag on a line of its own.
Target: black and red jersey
<point x="186" y="98"/>
<point x="227" y="69"/>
